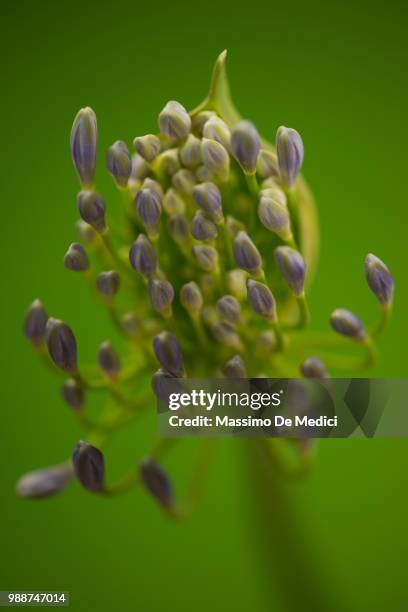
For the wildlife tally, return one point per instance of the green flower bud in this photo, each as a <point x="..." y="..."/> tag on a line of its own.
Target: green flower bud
<point x="191" y="297"/>
<point x="147" y="146"/>
<point x="207" y="257"/>
<point x="216" y="129"/>
<point x="215" y="157"/>
<point x="226" y="334"/>
<point x="203" y="174"/>
<point x="131" y="325"/>
<point x="183" y="180"/>
<point x="85" y="232"/>
<point x="236" y="283"/>
<point x="275" y="217"/>
<point x="190" y="152"/>
<point x="169" y="161"/>
<point x="178" y="228"/>
<point x="174" y="121"/>
<point x="173" y="203"/>
<point x="140" y="169"/>
<point x="149" y="183"/>
<point x="199" y="121"/>
<point x="267" y="164"/>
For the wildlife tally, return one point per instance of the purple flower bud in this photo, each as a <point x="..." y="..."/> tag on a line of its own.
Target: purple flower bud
<point x="44" y="483"/>
<point x="174" y="121"/>
<point x="379" y="279"/>
<point x="161" y="294"/>
<point x="289" y="147"/>
<point x="142" y="256"/>
<point x="199" y="121"/>
<point x="313" y="367"/>
<point x="149" y="207"/>
<point x="190" y="152"/>
<point x="215" y="157"/>
<point x="73" y="394"/>
<point x="147" y="146"/>
<point x="178" y="228"/>
<point x="207" y="257"/>
<point x="234" y="368"/>
<point x="76" y="258"/>
<point x="203" y="228"/>
<point x="92" y="209"/>
<point x="245" y="145"/>
<point x="168" y="352"/>
<point x="183" y="180"/>
<point x="119" y="163"/>
<point x="61" y="345"/>
<point x="246" y="254"/>
<point x="157" y="482"/>
<point x="35" y="322"/>
<point x="267" y="164"/>
<point x="292" y="267"/>
<point x="108" y="283"/>
<point x="261" y="300"/>
<point x="191" y="297"/>
<point x="275" y="216"/>
<point x="207" y="196"/>
<point x="346" y="323"/>
<point x="89" y="466"/>
<point x="160" y="386"/>
<point x="229" y="308"/>
<point x="84" y="140"/>
<point x="108" y="359"/>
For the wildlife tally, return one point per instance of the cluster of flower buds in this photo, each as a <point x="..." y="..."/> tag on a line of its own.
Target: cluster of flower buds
<point x="207" y="278"/>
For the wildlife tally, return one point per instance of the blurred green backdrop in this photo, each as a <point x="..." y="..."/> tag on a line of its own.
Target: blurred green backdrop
<point x="335" y="71"/>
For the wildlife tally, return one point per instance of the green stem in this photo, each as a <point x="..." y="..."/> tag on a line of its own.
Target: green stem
<point x="383" y="321"/>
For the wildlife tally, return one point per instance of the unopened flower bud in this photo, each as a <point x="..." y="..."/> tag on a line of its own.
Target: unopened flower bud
<point x="245" y="145"/>
<point x="246" y="254"/>
<point x="119" y="163"/>
<point x="160" y="386"/>
<point x="216" y="129"/>
<point x="233" y="226"/>
<point x="207" y="196"/>
<point x="131" y="325"/>
<point x="84" y="140"/>
<point x="190" y="152"/>
<point x="92" y="209"/>
<point x="150" y="183"/>
<point x="173" y="203"/>
<point x="203" y="228"/>
<point x="347" y="324"/>
<point x="140" y="169"/>
<point x="108" y="283"/>
<point x="89" y="466"/>
<point x="161" y="295"/>
<point x="85" y="232"/>
<point x="267" y="340"/>
<point x="73" y="394"/>
<point x="289" y="147"/>
<point x="379" y="279"/>
<point x="149" y="208"/>
<point x="76" y="258"/>
<point x="226" y="334"/>
<point x="275" y="216"/>
<point x="313" y="367"/>
<point x="108" y="359"/>
<point x="142" y="256"/>
<point x="178" y="227"/>
<point x="234" y="368"/>
<point x="191" y="297"/>
<point x="267" y="164"/>
<point x="61" y="345"/>
<point x="206" y="256"/>
<point x="169" y="161"/>
<point x="292" y="267"/>
<point x="147" y="146"/>
<point x="35" y="323"/>
<point x="199" y="121"/>
<point x="183" y="180"/>
<point x="215" y="157"/>
<point x="44" y="483"/>
<point x="236" y="283"/>
<point x="261" y="300"/>
<point x="203" y="174"/>
<point x="168" y="352"/>
<point x="157" y="482"/>
<point x="229" y="308"/>
<point x="174" y="121"/>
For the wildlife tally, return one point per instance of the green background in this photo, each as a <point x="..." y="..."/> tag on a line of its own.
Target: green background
<point x="335" y="71"/>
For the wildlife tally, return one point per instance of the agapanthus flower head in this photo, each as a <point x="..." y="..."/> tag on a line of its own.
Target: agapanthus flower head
<point x="203" y="276"/>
